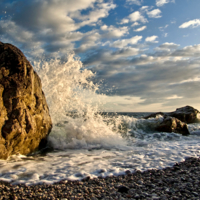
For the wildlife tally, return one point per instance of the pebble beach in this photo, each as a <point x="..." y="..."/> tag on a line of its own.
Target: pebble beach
<point x="178" y="182"/>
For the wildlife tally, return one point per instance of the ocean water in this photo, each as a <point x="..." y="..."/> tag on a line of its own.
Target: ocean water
<point x="85" y="141"/>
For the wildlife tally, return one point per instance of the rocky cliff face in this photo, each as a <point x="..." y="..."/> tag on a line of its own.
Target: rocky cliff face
<point x="24" y="115"/>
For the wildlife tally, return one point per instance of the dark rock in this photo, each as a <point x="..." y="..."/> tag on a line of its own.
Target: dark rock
<point x="171" y="124"/>
<point x="123" y="189"/>
<point x="176" y="121"/>
<point x="24" y="115"/>
<point x="186" y="114"/>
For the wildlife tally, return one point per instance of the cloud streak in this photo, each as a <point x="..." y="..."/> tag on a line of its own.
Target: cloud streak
<point x="160" y="3"/>
<point x="140" y="29"/>
<point x="192" y="23"/>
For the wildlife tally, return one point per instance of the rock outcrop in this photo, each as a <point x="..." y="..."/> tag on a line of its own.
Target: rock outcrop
<point x="172" y="124"/>
<point x="177" y="121"/>
<point x="186" y="114"/>
<point x="24" y="115"/>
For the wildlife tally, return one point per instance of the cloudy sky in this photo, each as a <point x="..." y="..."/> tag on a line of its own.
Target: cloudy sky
<point x="146" y="52"/>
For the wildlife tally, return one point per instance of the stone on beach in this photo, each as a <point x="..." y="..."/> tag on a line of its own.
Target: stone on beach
<point x="24" y="115"/>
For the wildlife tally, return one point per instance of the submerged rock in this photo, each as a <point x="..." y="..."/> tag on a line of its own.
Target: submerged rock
<point x="24" y="115"/>
<point x="171" y="124"/>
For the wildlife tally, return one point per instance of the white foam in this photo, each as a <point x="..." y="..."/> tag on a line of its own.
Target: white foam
<point x="77" y="164"/>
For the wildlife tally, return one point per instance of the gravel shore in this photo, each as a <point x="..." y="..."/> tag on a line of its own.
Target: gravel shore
<point x="182" y="181"/>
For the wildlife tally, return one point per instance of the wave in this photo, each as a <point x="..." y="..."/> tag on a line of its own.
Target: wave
<point x="74" y="106"/>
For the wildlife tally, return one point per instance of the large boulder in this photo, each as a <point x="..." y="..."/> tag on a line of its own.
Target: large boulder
<point x="24" y="115"/>
<point x="172" y="124"/>
<point x="186" y="114"/>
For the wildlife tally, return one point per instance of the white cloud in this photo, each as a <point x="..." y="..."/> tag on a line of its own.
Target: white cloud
<point x="51" y="26"/>
<point x="47" y="14"/>
<point x="101" y="11"/>
<point x="195" y="79"/>
<point x="166" y="77"/>
<point x="162" y="2"/>
<point x="125" y="52"/>
<point x="135" y="24"/>
<point x="145" y="8"/>
<point x="140" y="29"/>
<point x="114" y="32"/>
<point x="192" y="23"/>
<point x="169" y="45"/>
<point x="92" y="39"/>
<point x="188" y="51"/>
<point x="89" y="40"/>
<point x="104" y="27"/>
<point x="152" y="39"/>
<point x="174" y="97"/>
<point x="156" y="13"/>
<point x="60" y="16"/>
<point x="11" y="29"/>
<point x="137" y="16"/>
<point x="124" y="21"/>
<point x="123" y="43"/>
<point x="137" y="2"/>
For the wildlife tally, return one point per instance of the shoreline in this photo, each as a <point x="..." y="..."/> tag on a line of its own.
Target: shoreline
<point x="178" y="182"/>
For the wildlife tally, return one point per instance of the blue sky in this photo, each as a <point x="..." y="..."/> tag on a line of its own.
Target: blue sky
<point x="148" y="52"/>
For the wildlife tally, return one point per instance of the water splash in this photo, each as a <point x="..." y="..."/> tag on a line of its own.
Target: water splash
<point x="74" y="106"/>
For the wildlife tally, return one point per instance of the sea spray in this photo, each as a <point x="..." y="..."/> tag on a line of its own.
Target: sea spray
<point x="74" y="107"/>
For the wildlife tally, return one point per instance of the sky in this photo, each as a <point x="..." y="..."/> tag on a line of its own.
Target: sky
<point x="146" y="53"/>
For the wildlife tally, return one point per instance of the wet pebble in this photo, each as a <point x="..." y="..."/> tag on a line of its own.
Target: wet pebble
<point x="123" y="189"/>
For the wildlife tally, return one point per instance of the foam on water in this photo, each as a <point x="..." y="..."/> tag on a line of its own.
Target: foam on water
<point x="86" y="143"/>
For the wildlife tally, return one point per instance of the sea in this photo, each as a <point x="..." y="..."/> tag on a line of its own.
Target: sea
<point x="86" y="141"/>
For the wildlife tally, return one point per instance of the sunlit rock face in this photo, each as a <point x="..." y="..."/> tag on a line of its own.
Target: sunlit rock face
<point x="24" y="115"/>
